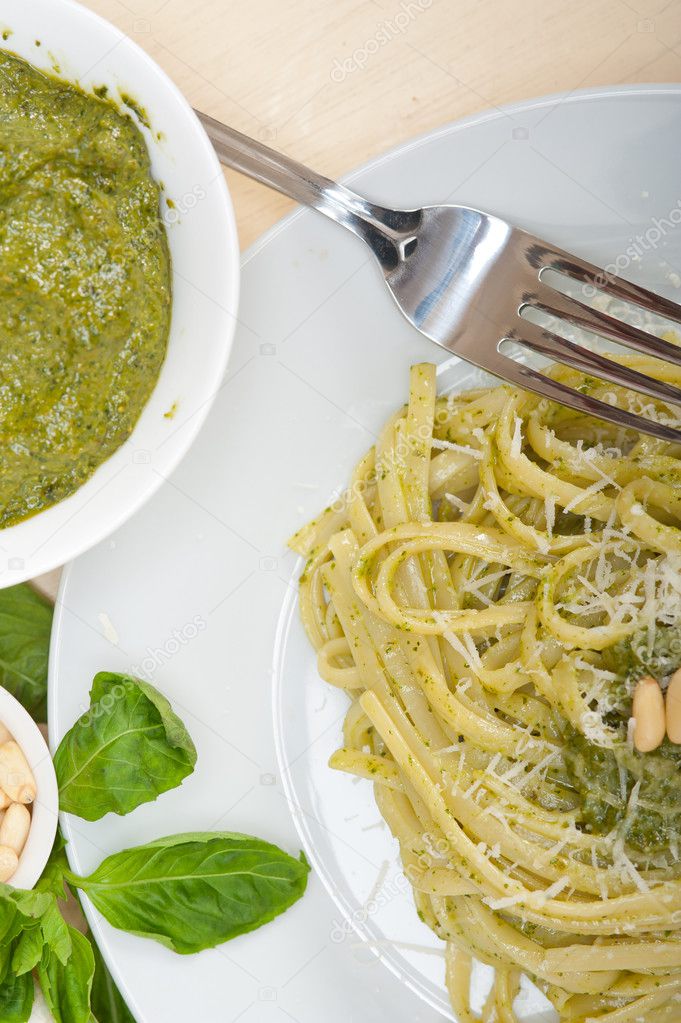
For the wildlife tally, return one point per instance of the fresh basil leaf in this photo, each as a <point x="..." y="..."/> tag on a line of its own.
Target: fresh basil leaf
<point x="41" y="927"/>
<point x="55" y="933"/>
<point x="16" y="998"/>
<point x="67" y="987"/>
<point x="126" y="750"/>
<point x="25" y="625"/>
<point x="11" y="922"/>
<point x="30" y="904"/>
<point x="28" y="951"/>
<point x="197" y="890"/>
<point x="107" y="1002"/>
<point x="52" y="877"/>
<point x="20" y="909"/>
<point x="52" y="935"/>
<point x="6" y="955"/>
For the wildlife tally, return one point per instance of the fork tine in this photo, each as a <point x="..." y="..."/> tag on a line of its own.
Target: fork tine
<point x="538" y="339"/>
<point x="532" y="380"/>
<point x="554" y="302"/>
<point x="545" y="256"/>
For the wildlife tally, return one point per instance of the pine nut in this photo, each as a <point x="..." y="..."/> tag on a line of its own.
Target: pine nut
<point x="16" y="777"/>
<point x="648" y="714"/>
<point x="14" y="827"/>
<point x="673" y="707"/>
<point x="9" y="861"/>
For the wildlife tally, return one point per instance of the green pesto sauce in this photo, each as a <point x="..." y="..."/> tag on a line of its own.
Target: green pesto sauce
<point x="635" y="656"/>
<point x="139" y="111"/>
<point x="85" y="286"/>
<point x="604" y="778"/>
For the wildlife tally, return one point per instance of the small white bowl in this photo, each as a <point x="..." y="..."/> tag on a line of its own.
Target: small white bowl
<point x="45" y="808"/>
<point x="205" y="254"/>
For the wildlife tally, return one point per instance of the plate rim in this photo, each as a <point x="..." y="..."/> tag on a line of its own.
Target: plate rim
<point x="469" y="121"/>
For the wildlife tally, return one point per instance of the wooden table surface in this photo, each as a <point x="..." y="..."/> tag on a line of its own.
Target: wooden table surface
<point x="334" y="82"/>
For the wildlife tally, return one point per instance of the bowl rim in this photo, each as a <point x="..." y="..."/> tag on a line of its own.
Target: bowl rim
<point x="45" y="807"/>
<point x="46" y="550"/>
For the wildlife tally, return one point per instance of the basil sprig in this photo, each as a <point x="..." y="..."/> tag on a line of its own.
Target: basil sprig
<point x="16" y="998"/>
<point x="30" y="934"/>
<point x="126" y="750"/>
<point x="197" y="890"/>
<point x="67" y="985"/>
<point x="189" y="892"/>
<point x="25" y="624"/>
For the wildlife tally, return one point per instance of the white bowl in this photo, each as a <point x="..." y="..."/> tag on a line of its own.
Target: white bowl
<point x="45" y="809"/>
<point x="205" y="255"/>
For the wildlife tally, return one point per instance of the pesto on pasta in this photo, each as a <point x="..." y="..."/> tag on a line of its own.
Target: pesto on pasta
<point x="497" y="576"/>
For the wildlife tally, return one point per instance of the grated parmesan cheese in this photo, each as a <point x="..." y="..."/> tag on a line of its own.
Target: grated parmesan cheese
<point x="463" y="449"/>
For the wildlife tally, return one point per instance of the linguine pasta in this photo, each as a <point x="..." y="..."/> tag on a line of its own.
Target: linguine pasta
<point x="499" y="573"/>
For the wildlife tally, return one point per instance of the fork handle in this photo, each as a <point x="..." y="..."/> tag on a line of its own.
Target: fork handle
<point x="386" y="231"/>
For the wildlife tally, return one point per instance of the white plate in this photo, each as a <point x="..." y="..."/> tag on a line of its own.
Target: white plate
<point x="190" y="592"/>
<point x="205" y="256"/>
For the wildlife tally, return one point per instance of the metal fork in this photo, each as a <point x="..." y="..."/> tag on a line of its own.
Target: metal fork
<point x="465" y="278"/>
